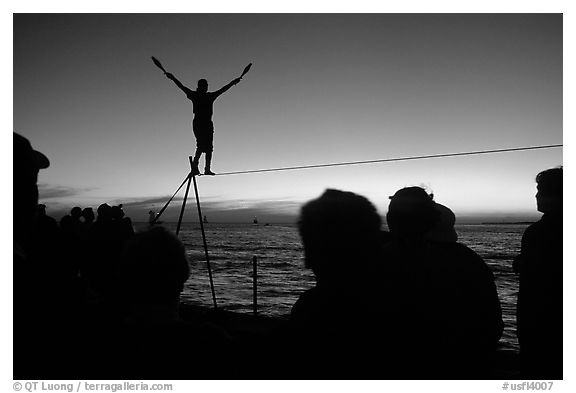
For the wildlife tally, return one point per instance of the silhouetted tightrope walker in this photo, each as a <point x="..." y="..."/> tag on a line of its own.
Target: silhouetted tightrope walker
<point x="202" y="102"/>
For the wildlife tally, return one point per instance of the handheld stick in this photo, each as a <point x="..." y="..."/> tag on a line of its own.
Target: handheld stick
<point x="246" y="69"/>
<point x="158" y="64"/>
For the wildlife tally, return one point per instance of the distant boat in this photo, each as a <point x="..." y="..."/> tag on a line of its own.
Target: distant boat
<point x="255" y="222"/>
<point x="205" y="220"/>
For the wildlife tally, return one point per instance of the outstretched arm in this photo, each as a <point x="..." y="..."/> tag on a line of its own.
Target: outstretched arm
<point x="228" y="86"/>
<point x="178" y="83"/>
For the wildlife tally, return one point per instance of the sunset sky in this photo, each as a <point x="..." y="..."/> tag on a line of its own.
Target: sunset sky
<point x="323" y="88"/>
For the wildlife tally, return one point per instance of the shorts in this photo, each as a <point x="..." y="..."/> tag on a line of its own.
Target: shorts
<point x="204" y="133"/>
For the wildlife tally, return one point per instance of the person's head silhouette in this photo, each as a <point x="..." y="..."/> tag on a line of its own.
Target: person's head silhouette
<point x="338" y="229"/>
<point x="88" y="214"/>
<point x="153" y="268"/>
<point x="117" y="212"/>
<point x="104" y="212"/>
<point x="550" y="187"/>
<point x="443" y="231"/>
<point x="76" y="212"/>
<point x="202" y="86"/>
<point x="412" y="212"/>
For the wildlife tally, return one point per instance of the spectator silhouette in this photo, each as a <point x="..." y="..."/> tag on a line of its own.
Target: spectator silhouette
<point x="336" y="323"/>
<point x="76" y="214"/>
<point x="88" y="215"/>
<point x="443" y="230"/>
<point x="42" y="331"/>
<point x="539" y="313"/>
<point x="203" y="102"/>
<point x="27" y="163"/>
<point x="122" y="224"/>
<point x="117" y="212"/>
<point x="450" y="305"/>
<point x="157" y="343"/>
<point x="57" y="250"/>
<point x="88" y="218"/>
<point x="70" y="223"/>
<point x="106" y="238"/>
<point x="152" y="272"/>
<point x="104" y="213"/>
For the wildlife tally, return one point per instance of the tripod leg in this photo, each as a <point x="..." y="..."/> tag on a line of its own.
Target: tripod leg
<point x="183" y="206"/>
<point x="205" y="243"/>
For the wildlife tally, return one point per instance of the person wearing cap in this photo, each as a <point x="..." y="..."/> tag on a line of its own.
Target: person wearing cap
<point x="27" y="163"/>
<point x="452" y="310"/>
<point x="29" y="338"/>
<point x="46" y="298"/>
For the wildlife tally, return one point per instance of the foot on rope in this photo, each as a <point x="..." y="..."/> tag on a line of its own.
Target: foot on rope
<point x="208" y="172"/>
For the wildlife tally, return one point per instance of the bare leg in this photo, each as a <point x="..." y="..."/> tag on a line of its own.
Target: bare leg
<point x="195" y="162"/>
<point x="207" y="170"/>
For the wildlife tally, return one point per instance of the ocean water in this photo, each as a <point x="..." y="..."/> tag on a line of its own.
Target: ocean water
<point x="282" y="276"/>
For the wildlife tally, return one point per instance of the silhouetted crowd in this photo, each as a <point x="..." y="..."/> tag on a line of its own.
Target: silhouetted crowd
<point x="94" y="300"/>
<point x="66" y="244"/>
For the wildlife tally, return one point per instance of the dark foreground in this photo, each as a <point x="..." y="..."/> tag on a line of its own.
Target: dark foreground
<point x="252" y="331"/>
<point x="212" y="344"/>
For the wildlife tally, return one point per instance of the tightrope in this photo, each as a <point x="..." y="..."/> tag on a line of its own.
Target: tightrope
<point x="470" y="153"/>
